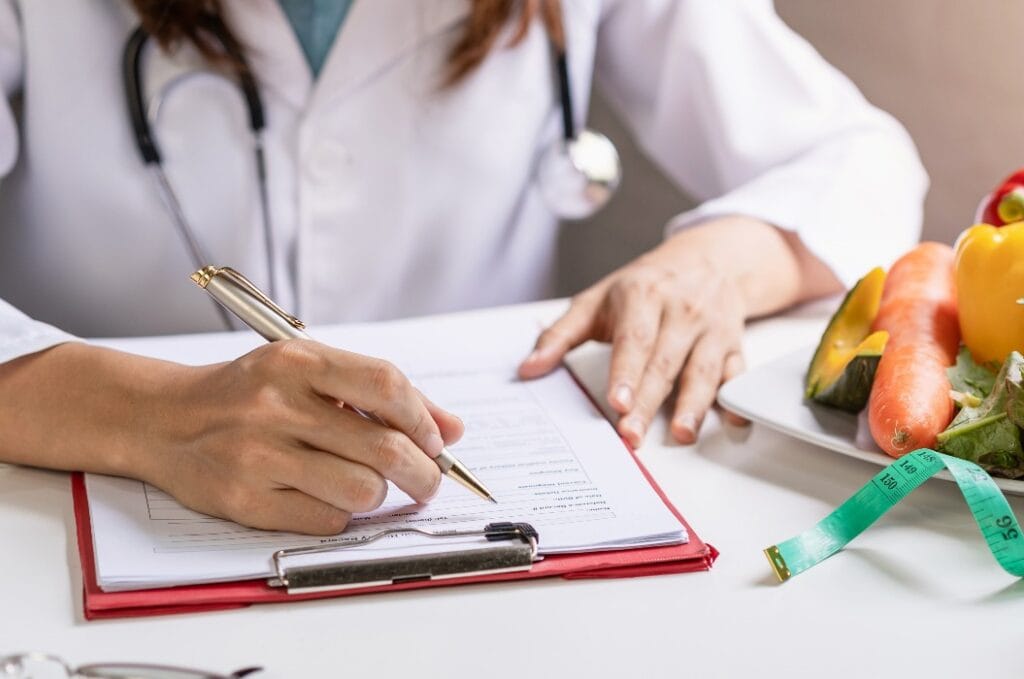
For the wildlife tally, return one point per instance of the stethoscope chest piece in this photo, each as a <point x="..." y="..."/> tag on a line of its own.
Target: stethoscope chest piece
<point x="578" y="176"/>
<point x="578" y="173"/>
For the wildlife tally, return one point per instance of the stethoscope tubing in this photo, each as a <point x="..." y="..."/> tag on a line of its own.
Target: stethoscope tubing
<point x="141" y="118"/>
<point x="565" y="94"/>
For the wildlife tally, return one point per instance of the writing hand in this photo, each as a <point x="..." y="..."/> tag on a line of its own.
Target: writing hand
<point x="262" y="440"/>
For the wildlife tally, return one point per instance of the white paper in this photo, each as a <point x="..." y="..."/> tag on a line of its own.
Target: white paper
<point x="542" y="448"/>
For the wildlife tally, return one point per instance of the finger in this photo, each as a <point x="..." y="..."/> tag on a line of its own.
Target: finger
<point x="670" y="351"/>
<point x="293" y="511"/>
<point x="572" y="329"/>
<point x="372" y="385"/>
<point x="734" y="366"/>
<point x="387" y="452"/>
<point x="451" y="426"/>
<point x="633" y="339"/>
<point x="698" y="386"/>
<point x="339" y="482"/>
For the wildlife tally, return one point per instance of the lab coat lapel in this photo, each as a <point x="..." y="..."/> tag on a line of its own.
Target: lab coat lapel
<point x="272" y="48"/>
<point x="376" y="33"/>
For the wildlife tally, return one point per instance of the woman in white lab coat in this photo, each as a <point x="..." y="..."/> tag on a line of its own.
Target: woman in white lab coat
<point x="401" y="181"/>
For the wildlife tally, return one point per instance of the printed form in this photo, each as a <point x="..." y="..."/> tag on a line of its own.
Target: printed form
<point x="547" y="454"/>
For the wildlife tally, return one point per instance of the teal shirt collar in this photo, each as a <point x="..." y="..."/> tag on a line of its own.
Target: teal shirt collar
<point x="316" y="24"/>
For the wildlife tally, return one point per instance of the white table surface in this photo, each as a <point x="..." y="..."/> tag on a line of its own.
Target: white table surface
<point x="918" y="594"/>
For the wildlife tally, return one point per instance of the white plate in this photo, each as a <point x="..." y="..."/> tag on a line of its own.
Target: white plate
<point x="772" y="395"/>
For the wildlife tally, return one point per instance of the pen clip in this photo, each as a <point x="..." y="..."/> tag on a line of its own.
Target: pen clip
<point x="208" y="272"/>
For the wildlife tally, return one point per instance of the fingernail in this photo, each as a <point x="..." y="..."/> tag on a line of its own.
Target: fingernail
<point x="541" y="353"/>
<point x="533" y="357"/>
<point x="685" y="425"/>
<point x="435" y="444"/>
<point x="624" y="395"/>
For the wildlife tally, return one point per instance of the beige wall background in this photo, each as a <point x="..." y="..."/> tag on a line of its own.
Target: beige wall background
<point x="952" y="71"/>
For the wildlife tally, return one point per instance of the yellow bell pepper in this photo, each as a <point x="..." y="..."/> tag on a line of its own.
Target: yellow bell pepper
<point x="990" y="290"/>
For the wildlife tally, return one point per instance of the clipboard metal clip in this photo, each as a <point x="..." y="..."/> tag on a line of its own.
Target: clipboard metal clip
<point x="519" y="555"/>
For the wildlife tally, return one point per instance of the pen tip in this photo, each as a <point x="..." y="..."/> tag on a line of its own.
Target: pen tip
<point x="491" y="498"/>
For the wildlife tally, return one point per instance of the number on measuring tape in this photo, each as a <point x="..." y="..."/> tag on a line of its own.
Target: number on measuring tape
<point x="987" y="503"/>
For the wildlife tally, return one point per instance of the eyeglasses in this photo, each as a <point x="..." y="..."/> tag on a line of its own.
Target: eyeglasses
<point x="43" y="666"/>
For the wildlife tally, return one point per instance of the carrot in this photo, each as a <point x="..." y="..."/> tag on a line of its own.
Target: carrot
<point x="910" y="404"/>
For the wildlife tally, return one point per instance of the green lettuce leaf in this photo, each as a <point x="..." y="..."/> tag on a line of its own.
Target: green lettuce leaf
<point x="988" y="434"/>
<point x="1015" y="395"/>
<point x="970" y="378"/>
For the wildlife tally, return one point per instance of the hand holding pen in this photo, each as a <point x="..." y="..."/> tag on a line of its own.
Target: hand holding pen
<point x="259" y="440"/>
<point x="264" y="444"/>
<point x="390" y="432"/>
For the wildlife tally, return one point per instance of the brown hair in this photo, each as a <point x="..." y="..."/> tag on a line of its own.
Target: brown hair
<point x="172" y="22"/>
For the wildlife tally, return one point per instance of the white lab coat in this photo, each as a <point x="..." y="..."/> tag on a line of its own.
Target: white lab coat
<point x="390" y="196"/>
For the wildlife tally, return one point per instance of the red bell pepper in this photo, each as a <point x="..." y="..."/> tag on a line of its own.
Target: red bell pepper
<point x="1005" y="205"/>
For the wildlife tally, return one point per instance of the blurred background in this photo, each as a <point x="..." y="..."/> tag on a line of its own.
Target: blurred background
<point x="947" y="69"/>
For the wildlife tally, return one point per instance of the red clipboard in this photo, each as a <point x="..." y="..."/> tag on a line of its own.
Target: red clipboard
<point x="695" y="555"/>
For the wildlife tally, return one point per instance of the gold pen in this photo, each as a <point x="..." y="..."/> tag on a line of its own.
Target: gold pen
<point x="237" y="294"/>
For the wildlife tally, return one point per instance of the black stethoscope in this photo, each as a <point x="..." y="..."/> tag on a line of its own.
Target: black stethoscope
<point x="576" y="175"/>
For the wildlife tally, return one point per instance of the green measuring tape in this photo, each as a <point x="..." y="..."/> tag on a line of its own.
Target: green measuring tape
<point x="888" y="487"/>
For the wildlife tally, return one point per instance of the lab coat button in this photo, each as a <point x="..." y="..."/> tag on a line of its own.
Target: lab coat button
<point x="327" y="160"/>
